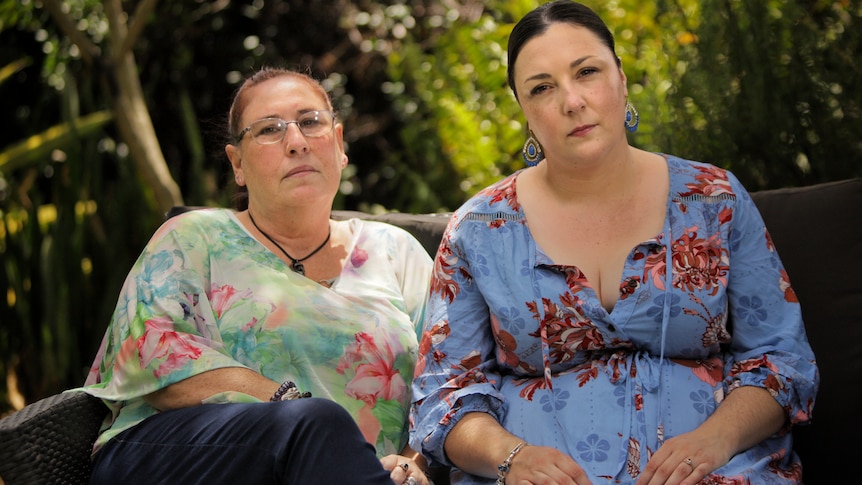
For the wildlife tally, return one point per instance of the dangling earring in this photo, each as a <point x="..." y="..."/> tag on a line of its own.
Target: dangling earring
<point x="532" y="151"/>
<point x="632" y="117"/>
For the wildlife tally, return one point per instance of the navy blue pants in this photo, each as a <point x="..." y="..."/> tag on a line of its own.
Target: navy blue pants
<point x="304" y="441"/>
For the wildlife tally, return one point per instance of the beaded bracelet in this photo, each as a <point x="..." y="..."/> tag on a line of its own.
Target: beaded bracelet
<point x="503" y="468"/>
<point x="287" y="391"/>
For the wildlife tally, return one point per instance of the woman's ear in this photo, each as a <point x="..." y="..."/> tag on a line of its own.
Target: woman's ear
<point x="339" y="139"/>
<point x="235" y="156"/>
<point x="623" y="77"/>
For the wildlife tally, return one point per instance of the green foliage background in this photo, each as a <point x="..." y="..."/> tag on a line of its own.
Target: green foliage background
<point x="764" y="88"/>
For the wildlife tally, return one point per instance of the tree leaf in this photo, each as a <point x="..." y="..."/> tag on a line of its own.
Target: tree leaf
<point x="34" y="149"/>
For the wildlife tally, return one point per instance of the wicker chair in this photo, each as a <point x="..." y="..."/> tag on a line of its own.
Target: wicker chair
<point x="50" y="441"/>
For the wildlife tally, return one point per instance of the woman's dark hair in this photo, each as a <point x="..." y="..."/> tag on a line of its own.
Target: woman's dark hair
<point x="559" y="11"/>
<point x="239" y="102"/>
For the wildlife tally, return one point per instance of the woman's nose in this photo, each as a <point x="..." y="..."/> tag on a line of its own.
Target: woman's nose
<point x="572" y="100"/>
<point x="294" y="140"/>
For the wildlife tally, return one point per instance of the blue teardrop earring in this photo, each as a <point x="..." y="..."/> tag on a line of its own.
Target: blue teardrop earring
<point x="532" y="151"/>
<point x="632" y="117"/>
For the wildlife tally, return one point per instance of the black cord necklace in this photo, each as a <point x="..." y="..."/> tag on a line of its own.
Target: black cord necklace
<point x="296" y="264"/>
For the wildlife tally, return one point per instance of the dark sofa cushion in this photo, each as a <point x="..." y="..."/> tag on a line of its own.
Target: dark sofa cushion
<point x="817" y="231"/>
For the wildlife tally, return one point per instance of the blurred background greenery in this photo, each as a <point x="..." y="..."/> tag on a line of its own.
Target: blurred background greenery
<point x="113" y="111"/>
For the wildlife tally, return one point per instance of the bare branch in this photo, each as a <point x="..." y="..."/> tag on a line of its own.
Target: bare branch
<point x="133" y="117"/>
<point x="89" y="50"/>
<point x="138" y="21"/>
<point x="117" y="27"/>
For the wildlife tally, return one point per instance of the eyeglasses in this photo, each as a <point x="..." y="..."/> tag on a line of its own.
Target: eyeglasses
<point x="272" y="130"/>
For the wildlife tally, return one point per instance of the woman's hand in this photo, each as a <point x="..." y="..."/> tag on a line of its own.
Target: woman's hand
<point x="404" y="471"/>
<point x="685" y="459"/>
<point x="477" y="444"/>
<point x="747" y="416"/>
<point x="542" y="464"/>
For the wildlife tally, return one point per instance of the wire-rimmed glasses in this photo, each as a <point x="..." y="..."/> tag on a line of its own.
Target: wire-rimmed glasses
<point x="311" y="124"/>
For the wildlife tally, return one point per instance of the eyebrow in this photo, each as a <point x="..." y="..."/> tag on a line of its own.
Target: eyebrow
<point x="300" y="113"/>
<point x="572" y="65"/>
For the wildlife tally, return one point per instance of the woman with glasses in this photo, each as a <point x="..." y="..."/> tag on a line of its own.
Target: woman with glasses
<point x="607" y="315"/>
<point x="266" y="344"/>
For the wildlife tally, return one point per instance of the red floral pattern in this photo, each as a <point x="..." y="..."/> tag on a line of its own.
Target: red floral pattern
<point x="532" y="337"/>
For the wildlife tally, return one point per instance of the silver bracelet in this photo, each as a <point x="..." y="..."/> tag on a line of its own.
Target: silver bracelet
<point x="503" y="468"/>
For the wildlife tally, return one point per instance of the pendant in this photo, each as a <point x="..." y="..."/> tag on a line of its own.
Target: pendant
<point x="297" y="267"/>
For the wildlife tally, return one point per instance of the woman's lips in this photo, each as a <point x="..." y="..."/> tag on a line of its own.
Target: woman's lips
<point x="299" y="171"/>
<point x="581" y="130"/>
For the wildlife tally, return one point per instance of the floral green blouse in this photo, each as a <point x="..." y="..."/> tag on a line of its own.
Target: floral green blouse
<point x="204" y="294"/>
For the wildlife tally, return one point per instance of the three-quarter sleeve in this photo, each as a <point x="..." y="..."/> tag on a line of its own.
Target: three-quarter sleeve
<point x="769" y="348"/>
<point x="163" y="329"/>
<point x="456" y="372"/>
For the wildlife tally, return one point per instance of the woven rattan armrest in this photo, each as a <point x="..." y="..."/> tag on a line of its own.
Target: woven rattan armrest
<point x="50" y="441"/>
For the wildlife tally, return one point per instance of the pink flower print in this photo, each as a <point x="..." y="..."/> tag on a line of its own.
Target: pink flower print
<point x="369" y="425"/>
<point x="358" y="257"/>
<point x="160" y="341"/>
<point x="224" y="297"/>
<point x="374" y="375"/>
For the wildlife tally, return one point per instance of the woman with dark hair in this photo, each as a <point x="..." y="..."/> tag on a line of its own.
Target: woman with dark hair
<point x="268" y="344"/>
<point x="607" y="315"/>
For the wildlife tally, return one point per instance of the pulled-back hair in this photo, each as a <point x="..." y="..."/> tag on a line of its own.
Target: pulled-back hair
<point x="239" y="103"/>
<point x="559" y="11"/>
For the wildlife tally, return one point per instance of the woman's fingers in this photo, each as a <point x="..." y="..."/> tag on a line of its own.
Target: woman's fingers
<point x="404" y="471"/>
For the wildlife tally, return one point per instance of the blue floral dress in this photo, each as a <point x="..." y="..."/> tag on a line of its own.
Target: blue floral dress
<point x="205" y="294"/>
<point x="704" y="307"/>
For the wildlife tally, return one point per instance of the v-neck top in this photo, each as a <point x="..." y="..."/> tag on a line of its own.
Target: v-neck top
<point x="703" y="308"/>
<point x="205" y="294"/>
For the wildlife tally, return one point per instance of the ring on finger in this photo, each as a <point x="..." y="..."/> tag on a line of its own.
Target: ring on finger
<point x="404" y="466"/>
<point x="411" y="481"/>
<point x="688" y="462"/>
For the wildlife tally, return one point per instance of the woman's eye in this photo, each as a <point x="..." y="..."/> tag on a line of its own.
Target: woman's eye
<point x="269" y="130"/>
<point x="309" y="123"/>
<point x="588" y="71"/>
<point x="538" y="89"/>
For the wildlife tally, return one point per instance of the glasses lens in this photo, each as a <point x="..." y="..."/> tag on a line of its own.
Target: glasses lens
<point x="271" y="130"/>
<point x="316" y="123"/>
<point x="267" y="131"/>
